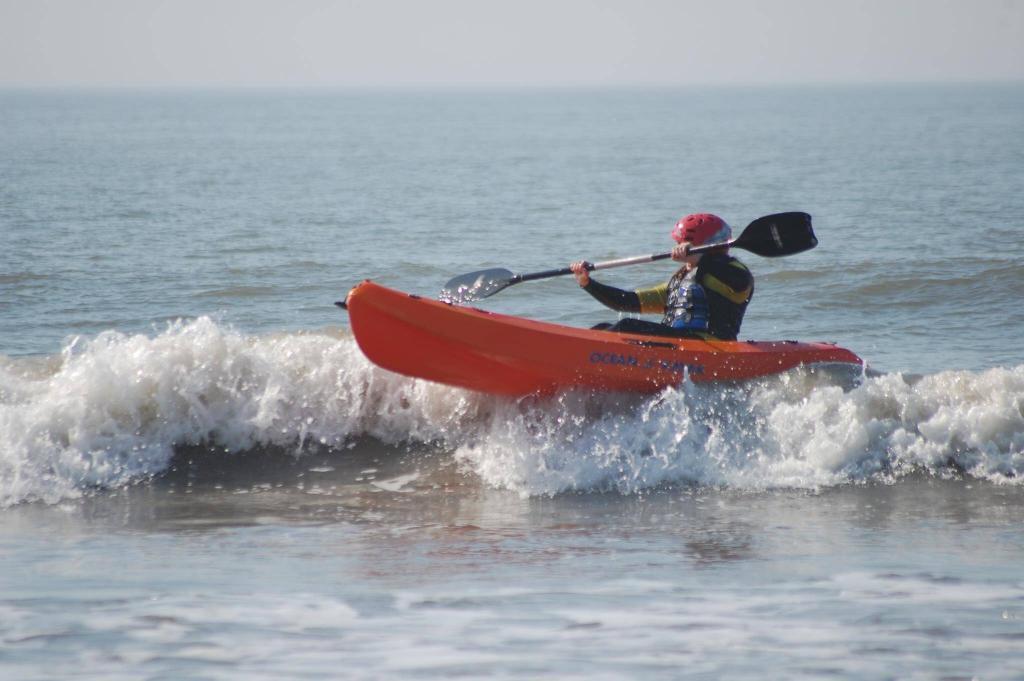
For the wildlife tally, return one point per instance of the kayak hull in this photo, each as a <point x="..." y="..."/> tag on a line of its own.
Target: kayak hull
<point x="505" y="355"/>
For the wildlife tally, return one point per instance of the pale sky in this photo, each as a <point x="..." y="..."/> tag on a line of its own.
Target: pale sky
<point x="386" y="43"/>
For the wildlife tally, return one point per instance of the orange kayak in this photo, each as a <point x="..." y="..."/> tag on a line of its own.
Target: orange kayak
<point x="505" y="355"/>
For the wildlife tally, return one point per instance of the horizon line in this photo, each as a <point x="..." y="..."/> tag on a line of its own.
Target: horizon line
<point x="491" y="86"/>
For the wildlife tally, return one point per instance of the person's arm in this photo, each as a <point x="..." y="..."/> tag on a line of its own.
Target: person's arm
<point x="728" y="278"/>
<point x="615" y="298"/>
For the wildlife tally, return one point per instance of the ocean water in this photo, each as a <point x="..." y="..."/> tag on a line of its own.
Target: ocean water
<point x="202" y="477"/>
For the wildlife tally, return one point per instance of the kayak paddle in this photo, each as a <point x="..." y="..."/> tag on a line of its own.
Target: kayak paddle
<point x="770" y="236"/>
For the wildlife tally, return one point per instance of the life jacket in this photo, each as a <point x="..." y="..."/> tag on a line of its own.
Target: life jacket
<point x="710" y="299"/>
<point x="686" y="303"/>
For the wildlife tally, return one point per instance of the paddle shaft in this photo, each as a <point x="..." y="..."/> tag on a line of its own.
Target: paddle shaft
<point x="621" y="262"/>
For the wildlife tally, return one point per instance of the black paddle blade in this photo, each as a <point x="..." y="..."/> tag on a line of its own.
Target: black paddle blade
<point x="776" y="235"/>
<point x="478" y="285"/>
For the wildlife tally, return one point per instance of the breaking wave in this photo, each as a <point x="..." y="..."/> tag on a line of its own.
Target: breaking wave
<point x="111" y="410"/>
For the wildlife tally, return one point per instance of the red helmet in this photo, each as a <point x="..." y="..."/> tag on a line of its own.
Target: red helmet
<point x="701" y="228"/>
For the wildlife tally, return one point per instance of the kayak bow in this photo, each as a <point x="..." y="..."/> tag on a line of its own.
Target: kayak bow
<point x="506" y="355"/>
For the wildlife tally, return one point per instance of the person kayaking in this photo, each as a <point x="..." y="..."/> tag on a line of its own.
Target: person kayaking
<point x="705" y="298"/>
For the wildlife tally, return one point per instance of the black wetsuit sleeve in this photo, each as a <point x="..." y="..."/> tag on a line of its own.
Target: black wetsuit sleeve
<point x="729" y="286"/>
<point x="728" y="278"/>
<point x="615" y="298"/>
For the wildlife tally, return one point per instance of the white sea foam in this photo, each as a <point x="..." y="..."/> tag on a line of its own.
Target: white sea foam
<point x="786" y="431"/>
<point x="115" y="406"/>
<point x="111" y="410"/>
<point x="789" y="431"/>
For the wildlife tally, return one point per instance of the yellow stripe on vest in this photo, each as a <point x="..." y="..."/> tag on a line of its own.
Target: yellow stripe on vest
<point x="653" y="300"/>
<point x="723" y="289"/>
